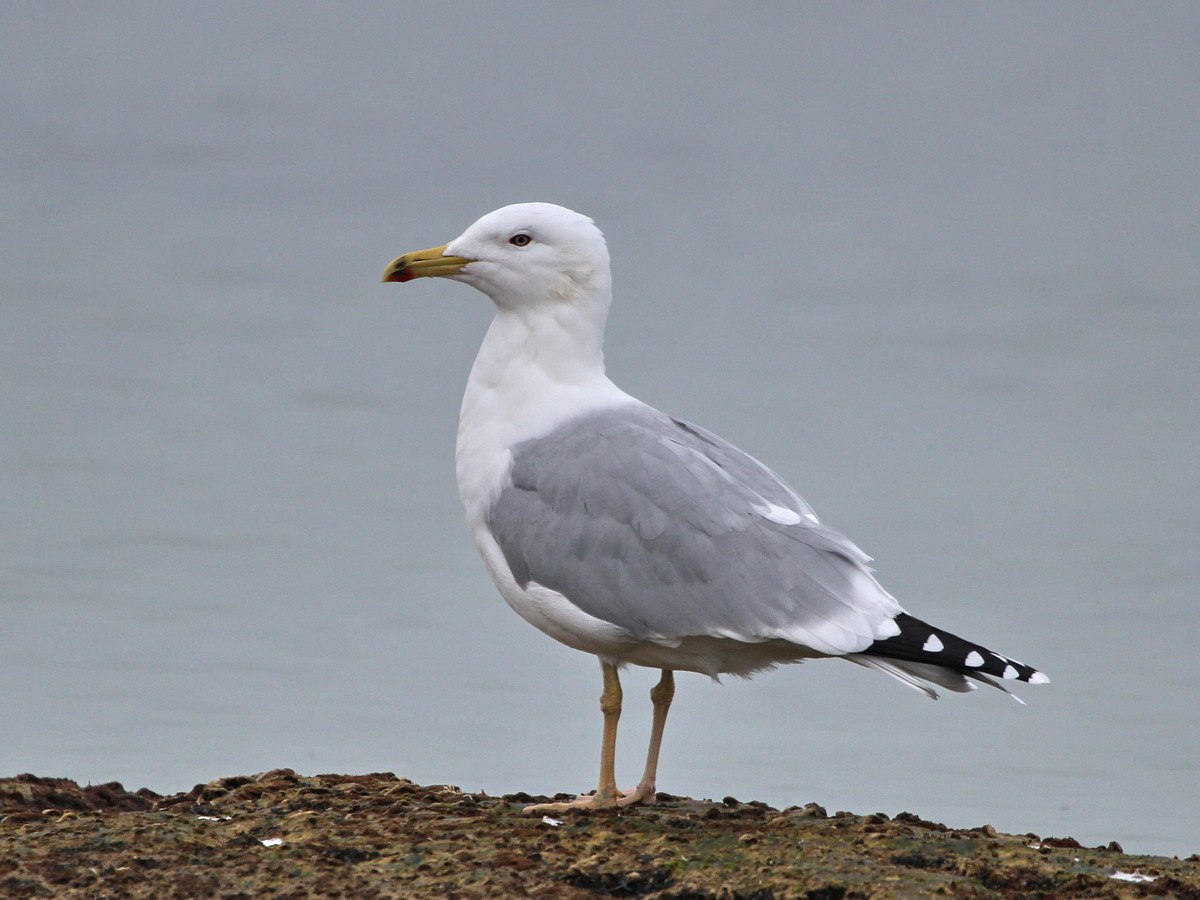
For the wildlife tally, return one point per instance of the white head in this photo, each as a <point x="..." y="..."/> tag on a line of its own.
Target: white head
<point x="522" y="256"/>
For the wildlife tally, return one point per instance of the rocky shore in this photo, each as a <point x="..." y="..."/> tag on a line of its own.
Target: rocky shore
<point x="280" y="834"/>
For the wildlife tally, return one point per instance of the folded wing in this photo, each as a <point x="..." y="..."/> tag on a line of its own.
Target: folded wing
<point x="668" y="531"/>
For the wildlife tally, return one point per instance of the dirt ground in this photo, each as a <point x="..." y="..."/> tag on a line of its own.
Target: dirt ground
<point x="279" y="834"/>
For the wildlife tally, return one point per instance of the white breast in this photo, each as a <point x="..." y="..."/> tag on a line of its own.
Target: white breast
<point x="515" y="394"/>
<point x="512" y="396"/>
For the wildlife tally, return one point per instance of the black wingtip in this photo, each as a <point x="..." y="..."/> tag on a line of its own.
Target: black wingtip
<point x="921" y="642"/>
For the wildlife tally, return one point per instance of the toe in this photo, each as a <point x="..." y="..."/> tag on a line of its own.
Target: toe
<point x="585" y="802"/>
<point x="643" y="794"/>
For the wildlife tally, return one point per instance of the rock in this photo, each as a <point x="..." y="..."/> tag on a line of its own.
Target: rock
<point x="378" y="835"/>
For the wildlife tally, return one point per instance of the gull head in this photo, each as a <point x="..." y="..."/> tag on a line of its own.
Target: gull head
<point x="524" y="255"/>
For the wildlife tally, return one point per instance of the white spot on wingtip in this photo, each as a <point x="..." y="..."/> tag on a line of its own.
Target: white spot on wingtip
<point x="973" y="659"/>
<point x="1039" y="678"/>
<point x="933" y="644"/>
<point x="1010" y="672"/>
<point x="778" y="514"/>
<point x="812" y="517"/>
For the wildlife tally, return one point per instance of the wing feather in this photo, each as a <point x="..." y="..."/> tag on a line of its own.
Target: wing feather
<point x="669" y="532"/>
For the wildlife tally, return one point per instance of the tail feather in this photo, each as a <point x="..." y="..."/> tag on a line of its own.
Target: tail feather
<point x="997" y="685"/>
<point x="918" y="676"/>
<point x="920" y="643"/>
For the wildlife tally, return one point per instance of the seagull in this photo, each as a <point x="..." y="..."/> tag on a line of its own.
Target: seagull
<point x="635" y="536"/>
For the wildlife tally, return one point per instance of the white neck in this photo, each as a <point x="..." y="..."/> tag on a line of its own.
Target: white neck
<point x="538" y="366"/>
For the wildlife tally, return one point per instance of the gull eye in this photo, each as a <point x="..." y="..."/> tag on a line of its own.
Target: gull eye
<point x="520" y="240"/>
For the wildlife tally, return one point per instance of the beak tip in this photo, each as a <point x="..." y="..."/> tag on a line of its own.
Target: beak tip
<point x="422" y="264"/>
<point x="395" y="273"/>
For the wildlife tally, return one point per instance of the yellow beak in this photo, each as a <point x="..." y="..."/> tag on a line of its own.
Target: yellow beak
<point x="423" y="264"/>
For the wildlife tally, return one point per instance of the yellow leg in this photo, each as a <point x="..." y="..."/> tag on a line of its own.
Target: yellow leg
<point x="607" y="796"/>
<point x="660" y="695"/>
<point x="610" y="706"/>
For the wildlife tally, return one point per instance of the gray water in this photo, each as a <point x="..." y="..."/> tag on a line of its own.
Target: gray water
<point x="936" y="264"/>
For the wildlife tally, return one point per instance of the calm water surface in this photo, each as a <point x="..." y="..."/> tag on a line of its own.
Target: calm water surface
<point x="936" y="265"/>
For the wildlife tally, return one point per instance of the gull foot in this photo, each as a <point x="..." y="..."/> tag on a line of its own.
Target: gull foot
<point x="643" y="794"/>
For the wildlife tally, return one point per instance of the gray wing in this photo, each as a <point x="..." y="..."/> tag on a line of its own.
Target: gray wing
<point x="669" y="531"/>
